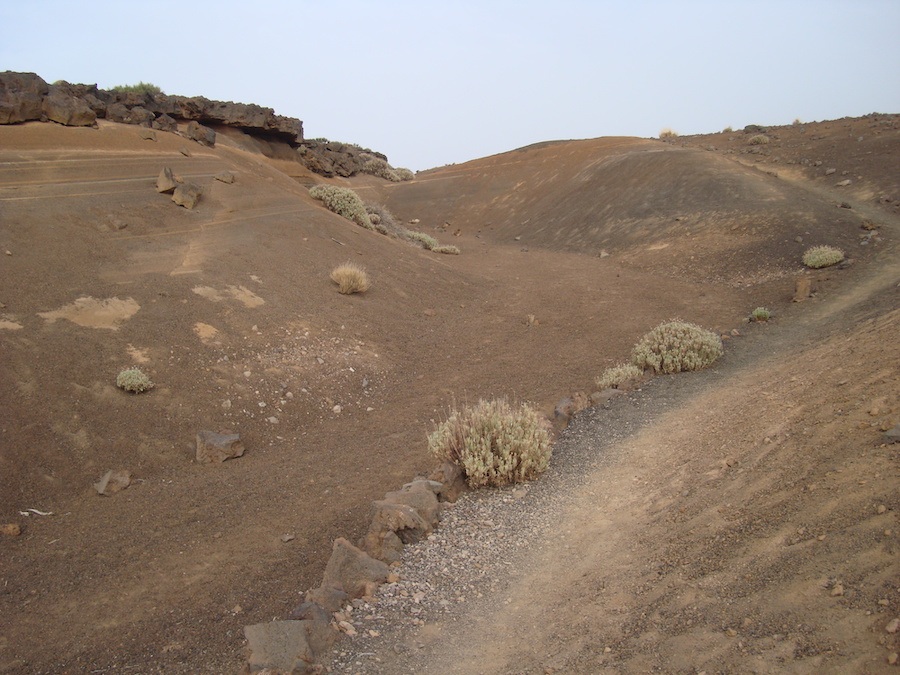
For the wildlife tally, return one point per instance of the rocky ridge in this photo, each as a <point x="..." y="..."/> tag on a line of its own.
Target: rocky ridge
<point x="26" y="97"/>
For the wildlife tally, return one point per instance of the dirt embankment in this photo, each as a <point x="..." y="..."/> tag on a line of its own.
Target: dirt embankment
<point x="230" y="310"/>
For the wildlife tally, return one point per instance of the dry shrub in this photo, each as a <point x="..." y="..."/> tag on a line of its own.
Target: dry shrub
<point x="676" y="346"/>
<point x="133" y="380"/>
<point x="619" y="377"/>
<point x="426" y="240"/>
<point x="761" y="314"/>
<point x="494" y="443"/>
<point x="822" y="256"/>
<point x="668" y="133"/>
<point x="350" y="278"/>
<point x="344" y="202"/>
<point x="405" y="174"/>
<point x="759" y="139"/>
<point x="446" y="249"/>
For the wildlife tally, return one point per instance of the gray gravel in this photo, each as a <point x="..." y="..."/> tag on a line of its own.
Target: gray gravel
<point x="472" y="556"/>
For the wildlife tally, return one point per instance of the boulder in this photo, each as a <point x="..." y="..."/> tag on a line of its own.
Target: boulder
<point x="329" y="599"/>
<point x="452" y="480"/>
<point x="287" y="646"/>
<point x="382" y="545"/>
<point x="166" y="182"/>
<point x="203" y="135"/>
<point x="21" y="97"/>
<point x="419" y="496"/>
<point x="117" y="112"/>
<point x="165" y="123"/>
<point x="66" y="109"/>
<point x="187" y="195"/>
<point x="213" y="447"/>
<point x="353" y="571"/>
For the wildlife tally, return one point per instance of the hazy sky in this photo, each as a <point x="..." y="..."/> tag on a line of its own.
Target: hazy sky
<point x="432" y="83"/>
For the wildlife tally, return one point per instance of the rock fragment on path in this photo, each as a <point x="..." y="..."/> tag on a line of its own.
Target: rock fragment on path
<point x="113" y="482"/>
<point x="213" y="447"/>
<point x="10" y="530"/>
<point x="892" y="435"/>
<point x="187" y="195"/>
<point x="353" y="571"/>
<point x="287" y="646"/>
<point x="166" y="182"/>
<point x="225" y="177"/>
<point x="802" y="288"/>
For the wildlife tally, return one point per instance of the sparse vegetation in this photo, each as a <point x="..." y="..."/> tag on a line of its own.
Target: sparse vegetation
<point x="383" y="220"/>
<point x="405" y="174"/>
<point x="133" y="380"/>
<point x="494" y="443"/>
<point x="350" y="278"/>
<point x="667" y="133"/>
<point x="822" y="256"/>
<point x="344" y="202"/>
<point x="676" y="346"/>
<point x="426" y="240"/>
<point x="446" y="249"/>
<point x="618" y="377"/>
<point x="139" y="88"/>
<point x="379" y="167"/>
<point x="760" y="314"/>
<point x="759" y="139"/>
<point x="797" y="121"/>
<point x="727" y="130"/>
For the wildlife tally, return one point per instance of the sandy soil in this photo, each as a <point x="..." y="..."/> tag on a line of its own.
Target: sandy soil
<point x="702" y="524"/>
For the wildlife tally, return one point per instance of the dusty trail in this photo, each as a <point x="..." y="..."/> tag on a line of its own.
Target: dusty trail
<point x="700" y="525"/>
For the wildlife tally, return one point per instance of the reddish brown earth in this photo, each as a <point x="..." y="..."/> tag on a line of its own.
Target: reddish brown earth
<point x="232" y="302"/>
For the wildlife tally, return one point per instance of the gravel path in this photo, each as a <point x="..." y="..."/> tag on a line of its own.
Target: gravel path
<point x="475" y="553"/>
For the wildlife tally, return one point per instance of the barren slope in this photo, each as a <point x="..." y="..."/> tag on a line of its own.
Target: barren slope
<point x="232" y="303"/>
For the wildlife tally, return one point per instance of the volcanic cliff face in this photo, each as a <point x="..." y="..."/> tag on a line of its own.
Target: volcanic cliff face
<point x="26" y="97"/>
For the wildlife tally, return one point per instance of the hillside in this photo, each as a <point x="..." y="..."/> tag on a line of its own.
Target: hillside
<point x="230" y="309"/>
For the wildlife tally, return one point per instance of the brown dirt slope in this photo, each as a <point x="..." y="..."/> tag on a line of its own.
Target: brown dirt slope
<point x="230" y="310"/>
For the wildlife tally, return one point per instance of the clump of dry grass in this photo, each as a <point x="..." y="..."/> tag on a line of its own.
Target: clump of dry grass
<point x="619" y="377"/>
<point x="759" y="139"/>
<point x="344" y="202"/>
<point x="668" y="133"/>
<point x="494" y="443"/>
<point x="761" y="314"/>
<point x="350" y="278"/>
<point x="822" y="256"/>
<point x="676" y="346"/>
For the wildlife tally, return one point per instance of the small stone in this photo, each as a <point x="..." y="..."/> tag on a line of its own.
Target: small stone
<point x="828" y="172"/>
<point x="184" y="151"/>
<point x="113" y="482"/>
<point x="893" y="626"/>
<point x="287" y="537"/>
<point x="884" y="602"/>
<point x="214" y="447"/>
<point x="272" y="420"/>
<point x="837" y="591"/>
<point x="843" y="183"/>
<point x="226" y="404"/>
<point x="237" y="609"/>
<point x="148" y="134"/>
<point x="893" y="658"/>
<point x="10" y="530"/>
<point x="881" y="509"/>
<point x="731" y="632"/>
<point x="337" y="409"/>
<point x="225" y="177"/>
<point x="821" y="537"/>
<point x="607" y="650"/>
<point x="166" y="182"/>
<point x="187" y="195"/>
<point x="347" y="628"/>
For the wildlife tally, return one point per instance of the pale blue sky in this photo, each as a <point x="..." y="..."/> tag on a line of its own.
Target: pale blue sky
<point x="432" y="83"/>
